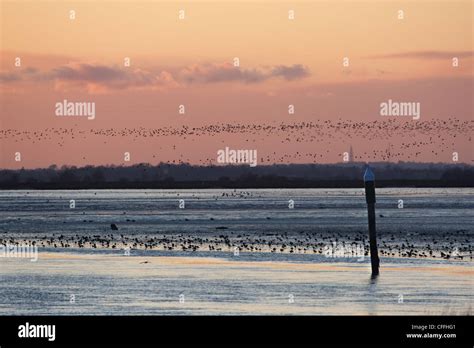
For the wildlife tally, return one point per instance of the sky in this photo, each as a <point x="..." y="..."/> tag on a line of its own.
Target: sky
<point x="333" y="61"/>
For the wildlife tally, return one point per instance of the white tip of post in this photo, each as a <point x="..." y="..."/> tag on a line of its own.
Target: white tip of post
<point x="369" y="175"/>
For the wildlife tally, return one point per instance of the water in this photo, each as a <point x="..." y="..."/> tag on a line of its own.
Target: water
<point x="114" y="284"/>
<point x="253" y="211"/>
<point x="151" y="281"/>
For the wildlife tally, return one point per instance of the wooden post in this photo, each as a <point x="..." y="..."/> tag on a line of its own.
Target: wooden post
<point x="369" y="181"/>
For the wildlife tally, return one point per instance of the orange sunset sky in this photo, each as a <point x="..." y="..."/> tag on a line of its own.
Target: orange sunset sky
<point x="190" y="62"/>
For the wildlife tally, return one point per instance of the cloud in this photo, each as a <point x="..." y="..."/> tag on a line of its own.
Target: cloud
<point x="213" y="73"/>
<point x="102" y="78"/>
<point x="294" y="72"/>
<point x="30" y="71"/>
<point x="6" y="77"/>
<point x="425" y="55"/>
<point x="88" y="72"/>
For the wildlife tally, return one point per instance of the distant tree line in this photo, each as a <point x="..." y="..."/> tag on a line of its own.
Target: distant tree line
<point x="231" y="176"/>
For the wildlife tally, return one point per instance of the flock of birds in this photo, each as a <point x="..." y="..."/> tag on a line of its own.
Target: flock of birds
<point x="407" y="141"/>
<point x="445" y="246"/>
<point x="404" y="140"/>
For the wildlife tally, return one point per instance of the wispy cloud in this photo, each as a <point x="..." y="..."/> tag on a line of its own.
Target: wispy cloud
<point x="424" y="55"/>
<point x="6" y="77"/>
<point x="293" y="72"/>
<point x="88" y="72"/>
<point x="101" y="77"/>
<point x="212" y="73"/>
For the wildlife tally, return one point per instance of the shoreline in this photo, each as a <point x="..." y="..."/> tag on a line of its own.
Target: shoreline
<point x="206" y="254"/>
<point x="238" y="185"/>
<point x="342" y="246"/>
